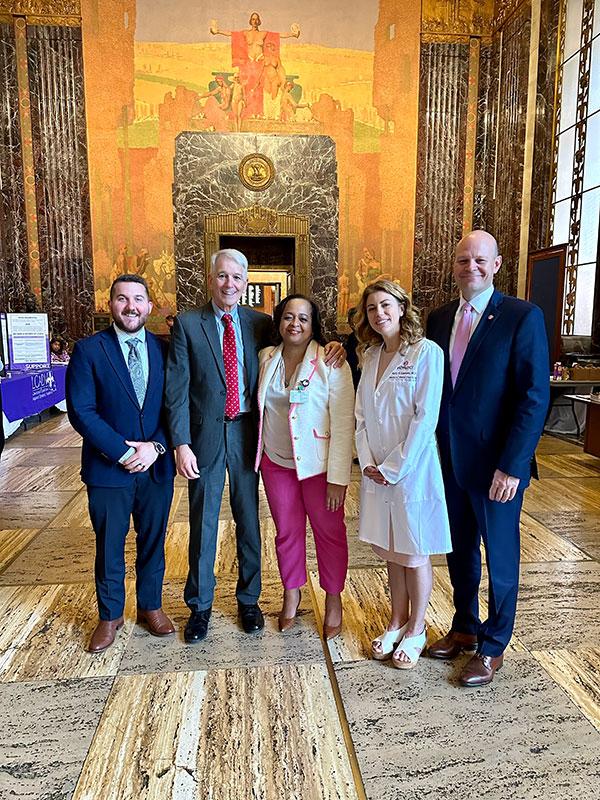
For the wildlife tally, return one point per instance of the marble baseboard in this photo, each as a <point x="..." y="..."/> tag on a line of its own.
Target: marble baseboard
<point x="43" y="750"/>
<point x="419" y="734"/>
<point x="270" y="733"/>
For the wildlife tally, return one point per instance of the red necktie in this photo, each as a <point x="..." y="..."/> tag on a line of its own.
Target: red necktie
<point x="461" y="340"/>
<point x="232" y="399"/>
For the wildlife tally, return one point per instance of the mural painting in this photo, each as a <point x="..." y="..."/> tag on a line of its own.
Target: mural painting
<point x="154" y="70"/>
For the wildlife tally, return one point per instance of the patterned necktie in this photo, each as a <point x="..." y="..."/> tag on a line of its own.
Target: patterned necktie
<point x="134" y="364"/>
<point x="232" y="398"/>
<point x="461" y="340"/>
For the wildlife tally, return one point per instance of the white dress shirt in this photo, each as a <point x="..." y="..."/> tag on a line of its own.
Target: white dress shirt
<point x="478" y="304"/>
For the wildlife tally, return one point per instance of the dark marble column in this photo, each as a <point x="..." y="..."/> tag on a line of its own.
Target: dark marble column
<point x="62" y="184"/>
<point x="444" y="78"/>
<point x="14" y="269"/>
<point x="510" y="99"/>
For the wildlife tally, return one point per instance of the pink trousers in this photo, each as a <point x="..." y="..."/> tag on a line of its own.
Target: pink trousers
<point x="290" y="501"/>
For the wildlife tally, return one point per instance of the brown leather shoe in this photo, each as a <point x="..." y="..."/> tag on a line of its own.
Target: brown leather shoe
<point x="104" y="635"/>
<point x="157" y="622"/>
<point x="453" y="644"/>
<point x="480" y="670"/>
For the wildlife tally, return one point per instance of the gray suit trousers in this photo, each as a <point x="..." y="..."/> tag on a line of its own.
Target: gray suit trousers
<point x="236" y="455"/>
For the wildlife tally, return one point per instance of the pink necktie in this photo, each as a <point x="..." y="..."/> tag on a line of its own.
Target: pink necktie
<point x="232" y="398"/>
<point x="461" y="340"/>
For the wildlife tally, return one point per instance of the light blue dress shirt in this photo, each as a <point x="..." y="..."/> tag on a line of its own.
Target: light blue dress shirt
<point x="239" y="349"/>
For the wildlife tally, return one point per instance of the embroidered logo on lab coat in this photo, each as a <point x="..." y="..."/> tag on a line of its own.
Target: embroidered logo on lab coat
<point x="405" y="372"/>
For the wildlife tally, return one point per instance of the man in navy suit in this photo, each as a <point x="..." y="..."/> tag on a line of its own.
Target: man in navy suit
<point x="494" y="402"/>
<point x="114" y="386"/>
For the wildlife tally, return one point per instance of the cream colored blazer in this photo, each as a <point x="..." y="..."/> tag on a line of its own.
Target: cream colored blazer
<point x="322" y="427"/>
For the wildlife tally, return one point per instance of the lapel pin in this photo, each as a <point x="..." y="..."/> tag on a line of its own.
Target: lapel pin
<point x="491" y="316"/>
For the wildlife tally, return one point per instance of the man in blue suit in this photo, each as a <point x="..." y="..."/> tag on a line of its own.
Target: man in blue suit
<point x="494" y="402"/>
<point x="114" y="385"/>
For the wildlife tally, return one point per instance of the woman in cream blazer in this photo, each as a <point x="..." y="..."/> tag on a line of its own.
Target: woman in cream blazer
<point x="402" y="505"/>
<point x="306" y="426"/>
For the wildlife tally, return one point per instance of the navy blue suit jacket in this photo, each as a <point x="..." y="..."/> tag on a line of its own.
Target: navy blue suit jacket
<point x="104" y="409"/>
<point x="494" y="416"/>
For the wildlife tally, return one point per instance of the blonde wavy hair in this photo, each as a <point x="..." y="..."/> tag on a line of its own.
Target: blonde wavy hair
<point x="411" y="330"/>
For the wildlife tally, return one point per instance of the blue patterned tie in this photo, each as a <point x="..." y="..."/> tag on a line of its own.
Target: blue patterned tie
<point x="134" y="364"/>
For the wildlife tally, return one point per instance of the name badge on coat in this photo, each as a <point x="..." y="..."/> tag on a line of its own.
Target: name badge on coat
<point x="405" y="372"/>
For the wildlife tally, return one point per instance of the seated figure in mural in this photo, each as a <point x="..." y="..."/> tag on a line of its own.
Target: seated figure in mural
<point x="248" y="53"/>
<point x="218" y="105"/>
<point x="288" y="103"/>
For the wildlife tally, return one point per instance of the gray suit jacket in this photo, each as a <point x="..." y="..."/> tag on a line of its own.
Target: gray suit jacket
<point x="195" y="385"/>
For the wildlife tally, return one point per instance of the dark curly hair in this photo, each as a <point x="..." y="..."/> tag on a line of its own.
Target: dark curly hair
<point x="317" y="325"/>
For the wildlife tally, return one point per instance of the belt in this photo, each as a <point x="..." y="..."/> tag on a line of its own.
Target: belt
<point x="238" y="418"/>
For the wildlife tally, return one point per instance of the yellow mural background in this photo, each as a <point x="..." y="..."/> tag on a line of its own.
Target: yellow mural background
<point x="140" y="95"/>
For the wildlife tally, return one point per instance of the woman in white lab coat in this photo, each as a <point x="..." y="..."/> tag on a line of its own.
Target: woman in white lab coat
<point x="402" y="505"/>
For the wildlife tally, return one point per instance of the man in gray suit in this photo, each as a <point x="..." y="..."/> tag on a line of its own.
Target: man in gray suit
<point x="212" y="375"/>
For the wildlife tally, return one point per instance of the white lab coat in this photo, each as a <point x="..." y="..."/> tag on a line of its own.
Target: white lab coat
<point x="395" y="431"/>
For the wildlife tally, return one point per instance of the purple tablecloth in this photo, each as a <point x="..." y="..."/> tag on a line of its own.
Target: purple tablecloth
<point x="30" y="393"/>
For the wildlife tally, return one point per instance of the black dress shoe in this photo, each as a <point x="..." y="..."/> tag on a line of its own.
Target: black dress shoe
<point x="251" y="617"/>
<point x="197" y="626"/>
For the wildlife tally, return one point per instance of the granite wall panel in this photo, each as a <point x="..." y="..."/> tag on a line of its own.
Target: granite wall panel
<point x="511" y="53"/>
<point x="444" y="76"/>
<point x="13" y="228"/>
<point x="62" y="186"/>
<point x="206" y="181"/>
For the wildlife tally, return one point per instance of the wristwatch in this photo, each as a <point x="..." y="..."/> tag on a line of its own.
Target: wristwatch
<point x="159" y="448"/>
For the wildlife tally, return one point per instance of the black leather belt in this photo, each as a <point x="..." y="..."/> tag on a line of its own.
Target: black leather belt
<point x="239" y="417"/>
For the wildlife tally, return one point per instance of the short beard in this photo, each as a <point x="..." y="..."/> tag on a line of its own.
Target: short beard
<point x="126" y="330"/>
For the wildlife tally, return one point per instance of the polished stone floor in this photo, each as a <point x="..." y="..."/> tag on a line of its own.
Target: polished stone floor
<point x="283" y="717"/>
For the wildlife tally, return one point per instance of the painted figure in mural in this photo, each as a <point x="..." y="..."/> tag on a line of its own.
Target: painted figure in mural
<point x="288" y="104"/>
<point x="221" y="93"/>
<point x="369" y="269"/>
<point x="494" y="402"/>
<point x="273" y="80"/>
<point x="343" y="294"/>
<point x="218" y="105"/>
<point x="238" y="101"/>
<point x="248" y="53"/>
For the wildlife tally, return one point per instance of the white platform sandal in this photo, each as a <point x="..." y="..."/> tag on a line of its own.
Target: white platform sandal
<point x="388" y="641"/>
<point x="411" y="646"/>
